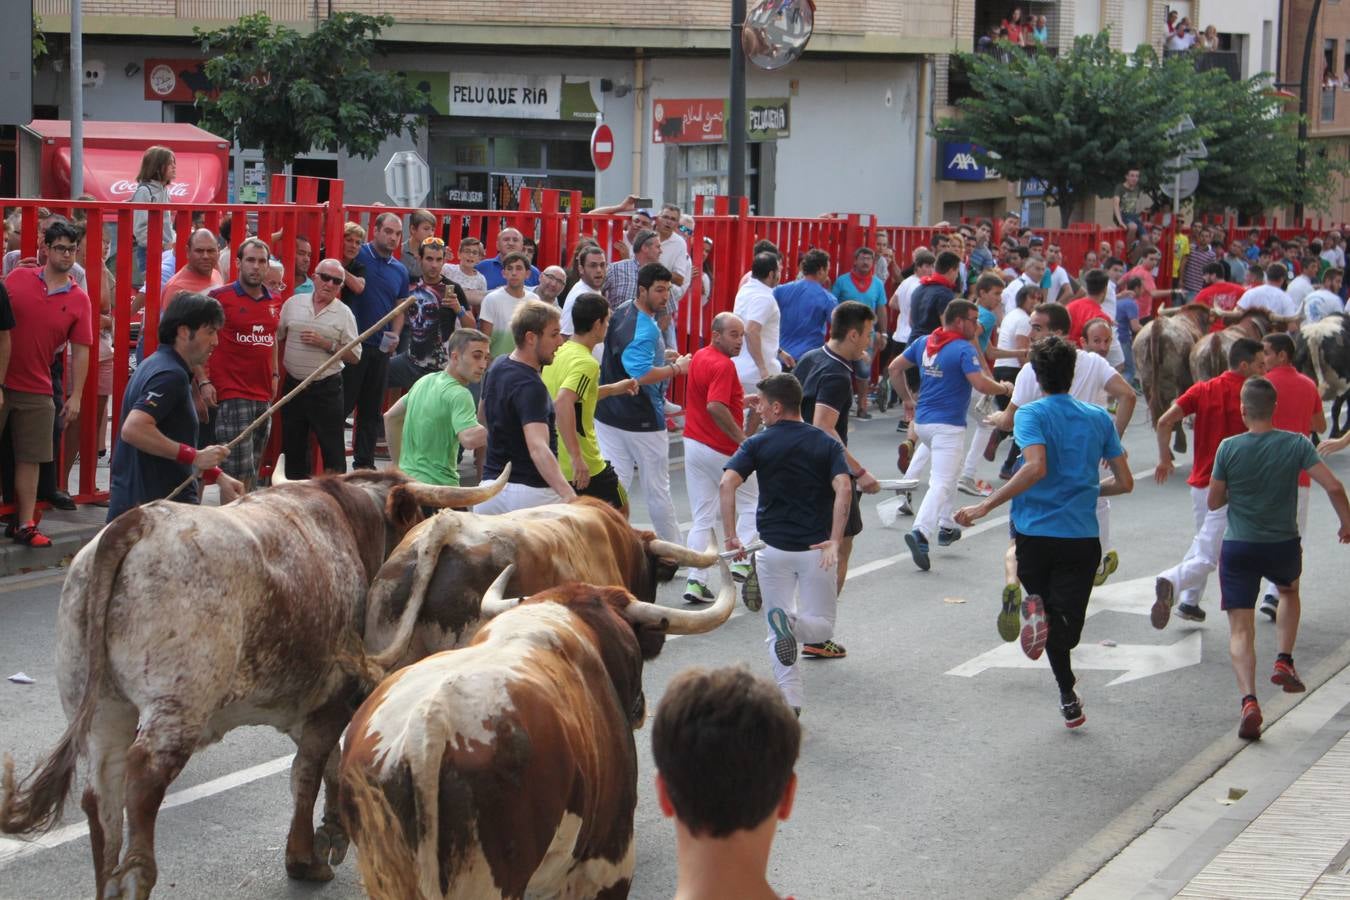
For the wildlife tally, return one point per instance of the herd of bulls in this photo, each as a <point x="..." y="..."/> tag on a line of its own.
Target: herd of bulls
<point x="490" y="751"/>
<point x="1179" y="348"/>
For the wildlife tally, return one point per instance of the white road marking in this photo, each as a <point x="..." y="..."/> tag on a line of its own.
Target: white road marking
<point x="1138" y="660"/>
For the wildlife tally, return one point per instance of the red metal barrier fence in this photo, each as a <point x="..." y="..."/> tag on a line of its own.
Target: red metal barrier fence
<point x="720" y="251"/>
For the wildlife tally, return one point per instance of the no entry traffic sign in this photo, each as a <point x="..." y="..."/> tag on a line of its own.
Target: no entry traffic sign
<point x="602" y="147"/>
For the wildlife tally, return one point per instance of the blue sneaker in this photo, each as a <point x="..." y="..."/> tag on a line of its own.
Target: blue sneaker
<point x="948" y="536"/>
<point x="918" y="548"/>
<point x="785" y="647"/>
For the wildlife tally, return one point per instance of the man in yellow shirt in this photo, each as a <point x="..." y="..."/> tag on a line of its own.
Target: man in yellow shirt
<point x="573" y="381"/>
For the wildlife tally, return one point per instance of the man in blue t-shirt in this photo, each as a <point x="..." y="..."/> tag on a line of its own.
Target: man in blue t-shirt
<point x="509" y="240"/>
<point x="804" y="497"/>
<point x="363" y="382"/>
<point x="863" y="285"/>
<point x="1054" y="511"/>
<point x="1256" y="475"/>
<point x="949" y="367"/>
<point x="805" y="306"/>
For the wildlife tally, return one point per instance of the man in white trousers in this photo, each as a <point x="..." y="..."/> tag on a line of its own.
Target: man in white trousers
<point x="804" y="497"/>
<point x="714" y="406"/>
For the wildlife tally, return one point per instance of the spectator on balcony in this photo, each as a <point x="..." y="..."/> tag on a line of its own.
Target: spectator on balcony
<point x="45" y="308"/>
<point x="1017" y="27"/>
<point x="1172" y="16"/>
<point x="158" y="168"/>
<point x="509" y="240"/>
<point x="1181" y="39"/>
<point x="1208" y="42"/>
<point x="1040" y="32"/>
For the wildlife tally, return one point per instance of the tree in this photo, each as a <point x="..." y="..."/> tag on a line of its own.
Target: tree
<point x="287" y="93"/>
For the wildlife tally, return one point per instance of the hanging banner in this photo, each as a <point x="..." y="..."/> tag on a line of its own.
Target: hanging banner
<point x="704" y="121"/>
<point x="506" y="96"/>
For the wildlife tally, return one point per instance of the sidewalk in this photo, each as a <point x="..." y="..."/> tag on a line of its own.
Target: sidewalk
<point x="1274" y="822"/>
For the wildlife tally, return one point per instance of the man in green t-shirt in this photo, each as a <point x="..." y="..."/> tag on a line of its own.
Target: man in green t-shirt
<point x="573" y="381"/>
<point x="1256" y="475"/>
<point x="429" y="424"/>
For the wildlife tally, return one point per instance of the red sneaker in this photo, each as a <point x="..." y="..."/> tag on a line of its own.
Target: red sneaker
<point x="1249" y="726"/>
<point x="1285" y="676"/>
<point x="30" y="535"/>
<point x="1036" y="629"/>
<point x="903" y="454"/>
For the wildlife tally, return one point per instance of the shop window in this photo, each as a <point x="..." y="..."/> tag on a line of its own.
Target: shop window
<point x="483" y="163"/>
<point x="703" y="169"/>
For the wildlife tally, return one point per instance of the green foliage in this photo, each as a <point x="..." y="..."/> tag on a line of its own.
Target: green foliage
<point x="39" y="42"/>
<point x="1079" y="120"/>
<point x="288" y="93"/>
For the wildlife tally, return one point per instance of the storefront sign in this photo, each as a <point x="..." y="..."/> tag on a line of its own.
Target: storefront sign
<point x="959" y="164"/>
<point x="175" y="80"/>
<point x="1031" y="187"/>
<point x="703" y="121"/>
<point x="436" y="88"/>
<point x="506" y="96"/>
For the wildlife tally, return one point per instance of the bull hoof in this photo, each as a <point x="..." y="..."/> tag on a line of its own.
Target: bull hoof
<point x="331" y="843"/>
<point x="130" y="883"/>
<point x="309" y="870"/>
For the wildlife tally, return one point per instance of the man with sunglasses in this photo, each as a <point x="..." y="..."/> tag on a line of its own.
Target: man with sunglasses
<point x="440" y="308"/>
<point x="53" y="309"/>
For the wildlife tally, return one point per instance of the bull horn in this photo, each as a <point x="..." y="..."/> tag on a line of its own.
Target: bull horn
<point x="494" y="600"/>
<point x="687" y="621"/>
<point x="682" y="555"/>
<point x="279" y="471"/>
<point x="442" y="496"/>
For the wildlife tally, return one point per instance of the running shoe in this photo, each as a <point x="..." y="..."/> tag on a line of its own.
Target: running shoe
<point x="1162" y="604"/>
<point x="1270" y="606"/>
<point x="785" y="642"/>
<point x="1073" y="712"/>
<point x="905" y="509"/>
<point x="30" y="536"/>
<point x="902" y="425"/>
<point x="740" y="572"/>
<point x="1249" y="726"/>
<point x="1190" y="612"/>
<point x="824" y="650"/>
<point x="1010" y="619"/>
<point x="918" y="548"/>
<point x="862" y="414"/>
<point x="1035" y="629"/>
<point x="903" y="454"/>
<point x="751" y="595"/>
<point x="697" y="592"/>
<point x="1285" y="676"/>
<point x="1110" y="562"/>
<point x="975" y="487"/>
<point x="948" y="536"/>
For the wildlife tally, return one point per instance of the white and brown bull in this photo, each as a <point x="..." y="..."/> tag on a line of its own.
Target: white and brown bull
<point x="508" y="768"/>
<point x="586" y="541"/>
<point x="1162" y="352"/>
<point x="1209" y="356"/>
<point x="178" y="623"/>
<point x="1323" y="354"/>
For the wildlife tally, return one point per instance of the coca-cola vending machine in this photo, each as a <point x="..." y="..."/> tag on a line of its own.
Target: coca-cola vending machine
<point x="112" y="159"/>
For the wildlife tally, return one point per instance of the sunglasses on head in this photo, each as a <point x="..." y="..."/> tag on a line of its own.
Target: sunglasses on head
<point x="433" y="242"/>
<point x="331" y="279"/>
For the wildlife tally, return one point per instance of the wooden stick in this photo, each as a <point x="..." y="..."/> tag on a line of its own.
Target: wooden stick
<point x="290" y="395"/>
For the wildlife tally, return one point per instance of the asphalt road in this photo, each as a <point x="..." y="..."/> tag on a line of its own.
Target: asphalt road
<point x="935" y="763"/>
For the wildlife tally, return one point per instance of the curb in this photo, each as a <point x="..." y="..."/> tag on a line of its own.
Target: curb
<point x="16" y="559"/>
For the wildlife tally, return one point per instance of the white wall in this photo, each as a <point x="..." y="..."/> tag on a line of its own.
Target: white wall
<point x="849" y="151"/>
<point x="1134" y="24"/>
<point x="1087" y="17"/>
<point x="1241" y="17"/>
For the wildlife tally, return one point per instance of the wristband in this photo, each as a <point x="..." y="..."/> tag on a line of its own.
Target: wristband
<point x="186" y="454"/>
<point x="212" y="474"/>
<point x="202" y="384"/>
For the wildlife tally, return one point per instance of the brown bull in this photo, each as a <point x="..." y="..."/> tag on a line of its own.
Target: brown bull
<point x="508" y="768"/>
<point x="1209" y="356"/>
<point x="585" y="541"/>
<point x="178" y="623"/>
<point x="1162" y="357"/>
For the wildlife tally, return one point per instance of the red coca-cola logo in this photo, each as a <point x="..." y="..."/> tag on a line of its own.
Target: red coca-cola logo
<point x="177" y="190"/>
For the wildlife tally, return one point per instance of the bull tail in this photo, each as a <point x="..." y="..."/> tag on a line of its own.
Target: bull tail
<point x="430" y="544"/>
<point x="36" y="803"/>
<point x="388" y="864"/>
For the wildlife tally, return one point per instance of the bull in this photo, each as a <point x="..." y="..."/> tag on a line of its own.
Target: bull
<point x="1162" y="350"/>
<point x="1209" y="356"/>
<point x="1323" y="354"/>
<point x="178" y="623"/>
<point x="508" y="768"/>
<point x="586" y="541"/>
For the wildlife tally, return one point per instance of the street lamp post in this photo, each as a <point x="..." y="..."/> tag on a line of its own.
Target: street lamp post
<point x="1301" y="161"/>
<point x="735" y="123"/>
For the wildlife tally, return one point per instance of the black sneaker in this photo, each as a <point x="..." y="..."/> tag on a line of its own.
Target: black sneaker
<point x="785" y="643"/>
<point x="1073" y="712"/>
<point x="862" y="414"/>
<point x="1270" y="605"/>
<point x="1190" y="612"/>
<point x="902" y="425"/>
<point x="824" y="650"/>
<point x="948" y="536"/>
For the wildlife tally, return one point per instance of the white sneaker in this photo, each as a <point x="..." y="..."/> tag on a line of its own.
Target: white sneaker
<point x="975" y="488"/>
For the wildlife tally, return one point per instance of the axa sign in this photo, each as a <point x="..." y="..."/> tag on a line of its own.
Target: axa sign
<point x="960" y="164"/>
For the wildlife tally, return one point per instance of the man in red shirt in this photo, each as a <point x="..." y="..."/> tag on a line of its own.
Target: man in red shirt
<point x="1217" y="407"/>
<point x="1298" y="408"/>
<point x="243" y="368"/>
<point x="48" y="309"/>
<point x="713" y="410"/>
<point x="1219" y="295"/>
<point x="1143" y="270"/>
<point x="1090" y="307"/>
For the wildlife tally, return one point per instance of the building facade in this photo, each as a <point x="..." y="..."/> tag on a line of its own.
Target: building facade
<point x="1328" y="77"/>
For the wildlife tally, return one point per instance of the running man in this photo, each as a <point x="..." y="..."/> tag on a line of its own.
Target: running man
<point x="1054" y="520"/>
<point x="804" y="497"/>
<point x="1217" y="407"/>
<point x="1255" y="480"/>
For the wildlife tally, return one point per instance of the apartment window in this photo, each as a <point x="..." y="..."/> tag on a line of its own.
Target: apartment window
<point x="1345" y="65"/>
